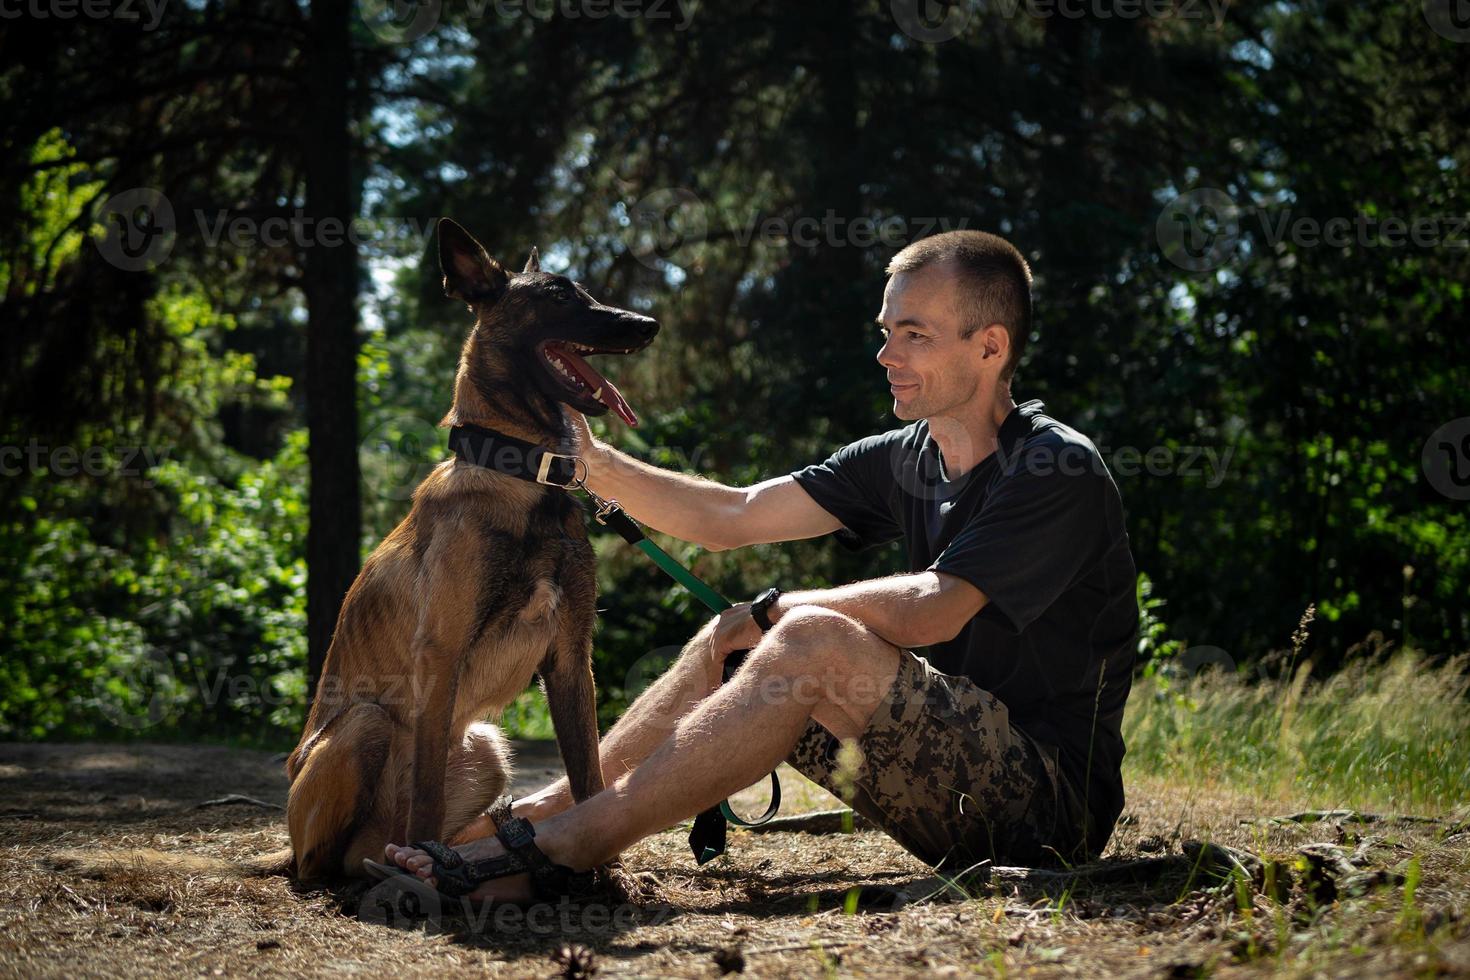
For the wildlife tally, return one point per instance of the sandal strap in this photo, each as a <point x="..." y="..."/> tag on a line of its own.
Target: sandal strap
<point x="456" y="876"/>
<point x="444" y="856"/>
<point x="522" y="856"/>
<point x="499" y="811"/>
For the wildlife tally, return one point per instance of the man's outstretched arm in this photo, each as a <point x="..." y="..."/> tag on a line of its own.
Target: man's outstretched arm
<point x="695" y="509"/>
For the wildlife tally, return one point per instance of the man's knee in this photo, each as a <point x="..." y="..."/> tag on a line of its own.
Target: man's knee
<point x="808" y="646"/>
<point x="813" y="628"/>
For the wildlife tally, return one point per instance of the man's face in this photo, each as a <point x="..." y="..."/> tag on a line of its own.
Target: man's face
<point x="930" y="369"/>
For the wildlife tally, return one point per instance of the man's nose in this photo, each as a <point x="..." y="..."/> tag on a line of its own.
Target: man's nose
<point x="885" y="357"/>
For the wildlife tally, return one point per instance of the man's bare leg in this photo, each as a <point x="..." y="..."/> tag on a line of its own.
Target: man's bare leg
<point x="814" y="664"/>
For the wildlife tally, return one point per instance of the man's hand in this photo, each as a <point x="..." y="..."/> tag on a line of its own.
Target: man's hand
<point x="582" y="441"/>
<point x="736" y="630"/>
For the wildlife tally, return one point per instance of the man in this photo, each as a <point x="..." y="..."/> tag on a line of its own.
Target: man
<point x="1004" y="741"/>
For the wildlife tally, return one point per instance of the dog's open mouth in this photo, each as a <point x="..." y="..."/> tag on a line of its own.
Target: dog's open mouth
<point x="566" y="363"/>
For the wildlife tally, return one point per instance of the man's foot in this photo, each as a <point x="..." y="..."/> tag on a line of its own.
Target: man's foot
<point x="514" y="888"/>
<point x="511" y="888"/>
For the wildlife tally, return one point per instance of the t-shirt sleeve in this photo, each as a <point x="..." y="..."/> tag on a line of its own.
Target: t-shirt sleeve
<point x="855" y="485"/>
<point x="1037" y="532"/>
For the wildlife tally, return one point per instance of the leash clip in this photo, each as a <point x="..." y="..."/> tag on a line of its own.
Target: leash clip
<point x="604" y="508"/>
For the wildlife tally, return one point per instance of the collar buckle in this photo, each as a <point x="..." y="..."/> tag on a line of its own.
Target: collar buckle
<point x="543" y="470"/>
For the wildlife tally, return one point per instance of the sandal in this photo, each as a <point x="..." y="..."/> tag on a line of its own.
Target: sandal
<point x="457" y="877"/>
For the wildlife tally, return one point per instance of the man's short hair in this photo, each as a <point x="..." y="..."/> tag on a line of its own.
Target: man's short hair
<point x="994" y="283"/>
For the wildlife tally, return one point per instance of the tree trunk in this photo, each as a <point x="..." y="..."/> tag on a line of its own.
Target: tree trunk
<point x="332" y="546"/>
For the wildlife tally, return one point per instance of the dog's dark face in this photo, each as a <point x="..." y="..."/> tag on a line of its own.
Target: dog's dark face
<point x="538" y="327"/>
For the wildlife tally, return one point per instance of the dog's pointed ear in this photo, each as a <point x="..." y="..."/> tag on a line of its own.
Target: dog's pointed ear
<point x="470" y="273"/>
<point x="533" y="263"/>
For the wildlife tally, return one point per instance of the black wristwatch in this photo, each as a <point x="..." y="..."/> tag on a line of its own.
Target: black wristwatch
<point x="760" y="608"/>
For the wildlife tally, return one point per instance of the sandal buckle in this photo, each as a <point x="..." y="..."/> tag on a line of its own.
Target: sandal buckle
<point x="516" y="833"/>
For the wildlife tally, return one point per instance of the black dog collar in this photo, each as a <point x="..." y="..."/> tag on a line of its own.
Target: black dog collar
<point x="513" y="457"/>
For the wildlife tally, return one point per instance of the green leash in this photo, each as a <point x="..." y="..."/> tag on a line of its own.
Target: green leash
<point x="707" y="838"/>
<point x="712" y="599"/>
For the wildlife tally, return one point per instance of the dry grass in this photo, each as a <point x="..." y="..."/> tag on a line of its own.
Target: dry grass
<point x="776" y="905"/>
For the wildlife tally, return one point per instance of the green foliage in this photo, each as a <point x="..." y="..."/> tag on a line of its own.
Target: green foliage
<point x="1388" y="730"/>
<point x="157" y="588"/>
<point x="53" y="198"/>
<point x="1315" y="372"/>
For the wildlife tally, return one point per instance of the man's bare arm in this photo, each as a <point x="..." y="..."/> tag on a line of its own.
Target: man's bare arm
<point x="695" y="509"/>
<point x="906" y="610"/>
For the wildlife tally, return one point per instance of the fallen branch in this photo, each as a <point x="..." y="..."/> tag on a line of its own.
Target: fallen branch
<point x="818" y="822"/>
<point x="1341" y="816"/>
<point x="237" y="798"/>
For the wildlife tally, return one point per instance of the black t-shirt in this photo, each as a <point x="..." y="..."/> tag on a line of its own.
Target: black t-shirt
<point x="1038" y="527"/>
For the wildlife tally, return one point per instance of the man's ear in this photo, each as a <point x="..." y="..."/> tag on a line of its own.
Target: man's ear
<point x="997" y="342"/>
<point x="470" y="273"/>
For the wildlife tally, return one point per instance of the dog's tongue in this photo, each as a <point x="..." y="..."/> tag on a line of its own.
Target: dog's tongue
<point x="603" y="390"/>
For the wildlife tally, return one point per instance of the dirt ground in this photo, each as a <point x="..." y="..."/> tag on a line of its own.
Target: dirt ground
<point x="1371" y="895"/>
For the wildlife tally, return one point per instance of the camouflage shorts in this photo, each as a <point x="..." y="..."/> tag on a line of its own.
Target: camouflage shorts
<point x="941" y="770"/>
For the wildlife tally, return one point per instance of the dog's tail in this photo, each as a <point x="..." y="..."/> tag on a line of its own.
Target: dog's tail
<point x="104" y="863"/>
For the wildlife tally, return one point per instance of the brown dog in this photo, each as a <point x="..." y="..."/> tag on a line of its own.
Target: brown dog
<point x="489" y="580"/>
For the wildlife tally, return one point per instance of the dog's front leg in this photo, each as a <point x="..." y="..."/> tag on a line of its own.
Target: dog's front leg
<point x="567" y="674"/>
<point x="435" y="680"/>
